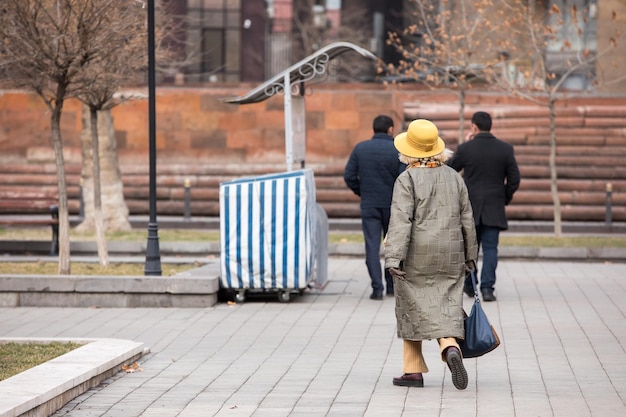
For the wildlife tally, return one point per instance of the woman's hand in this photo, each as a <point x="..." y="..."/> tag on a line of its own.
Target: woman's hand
<point x="397" y="273"/>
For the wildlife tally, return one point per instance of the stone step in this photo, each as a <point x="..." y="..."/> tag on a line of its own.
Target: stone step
<point x="583" y="189"/>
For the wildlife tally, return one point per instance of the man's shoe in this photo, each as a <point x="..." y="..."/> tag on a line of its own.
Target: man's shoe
<point x="488" y="295"/>
<point x="390" y="293"/>
<point x="455" y="363"/>
<point x="375" y="296"/>
<point x="409" y="380"/>
<point x="469" y="291"/>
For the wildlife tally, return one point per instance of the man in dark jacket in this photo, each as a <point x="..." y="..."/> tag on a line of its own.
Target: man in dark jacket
<point x="492" y="176"/>
<point x="370" y="173"/>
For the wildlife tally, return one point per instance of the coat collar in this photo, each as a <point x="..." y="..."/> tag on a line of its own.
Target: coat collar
<point x="484" y="135"/>
<point x="383" y="136"/>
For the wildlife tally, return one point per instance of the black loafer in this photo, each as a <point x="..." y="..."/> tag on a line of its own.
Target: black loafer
<point x="375" y="296"/>
<point x="488" y="295"/>
<point x="409" y="380"/>
<point x="455" y="363"/>
<point x="469" y="291"/>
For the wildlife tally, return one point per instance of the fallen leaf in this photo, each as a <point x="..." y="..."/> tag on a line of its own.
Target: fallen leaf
<point x="134" y="367"/>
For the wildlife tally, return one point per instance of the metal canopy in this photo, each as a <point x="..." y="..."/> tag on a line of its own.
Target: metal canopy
<point x="283" y="83"/>
<point x="305" y="70"/>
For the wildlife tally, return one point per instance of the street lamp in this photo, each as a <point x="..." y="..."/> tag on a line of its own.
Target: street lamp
<point x="153" y="256"/>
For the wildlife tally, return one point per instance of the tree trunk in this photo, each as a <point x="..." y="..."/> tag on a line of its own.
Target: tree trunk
<point x="64" y="219"/>
<point x="114" y="209"/>
<point x="101" y="241"/>
<point x="554" y="189"/>
<point x="461" y="115"/>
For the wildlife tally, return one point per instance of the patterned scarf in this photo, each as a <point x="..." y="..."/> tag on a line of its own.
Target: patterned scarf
<point x="426" y="163"/>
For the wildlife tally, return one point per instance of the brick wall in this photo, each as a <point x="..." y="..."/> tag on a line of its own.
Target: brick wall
<point x="202" y="139"/>
<point x="195" y="124"/>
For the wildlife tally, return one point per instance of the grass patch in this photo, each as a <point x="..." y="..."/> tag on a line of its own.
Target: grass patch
<point x="18" y="357"/>
<point x="345" y="237"/>
<point x="165" y="235"/>
<point x="195" y="235"/>
<point x="87" y="268"/>
<point x="545" y="241"/>
<point x="577" y="241"/>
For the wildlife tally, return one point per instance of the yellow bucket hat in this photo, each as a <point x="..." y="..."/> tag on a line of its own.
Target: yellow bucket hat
<point x="421" y="140"/>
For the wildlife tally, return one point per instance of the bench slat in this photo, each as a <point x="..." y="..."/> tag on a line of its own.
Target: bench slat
<point x="25" y="222"/>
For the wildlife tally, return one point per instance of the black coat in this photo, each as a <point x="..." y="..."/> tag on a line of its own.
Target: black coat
<point x="372" y="170"/>
<point x="491" y="174"/>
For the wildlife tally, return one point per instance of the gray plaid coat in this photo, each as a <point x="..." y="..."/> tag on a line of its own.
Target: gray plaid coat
<point x="431" y="235"/>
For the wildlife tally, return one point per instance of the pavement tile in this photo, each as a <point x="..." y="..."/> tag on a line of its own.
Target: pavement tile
<point x="333" y="352"/>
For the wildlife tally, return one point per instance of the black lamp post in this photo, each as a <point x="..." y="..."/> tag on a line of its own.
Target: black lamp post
<point x="153" y="255"/>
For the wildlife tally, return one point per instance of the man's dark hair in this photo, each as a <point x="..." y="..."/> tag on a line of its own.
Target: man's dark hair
<point x="482" y="120"/>
<point x="382" y="124"/>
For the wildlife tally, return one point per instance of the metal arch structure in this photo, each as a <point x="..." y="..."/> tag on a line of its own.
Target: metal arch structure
<point x="307" y="69"/>
<point x="290" y="82"/>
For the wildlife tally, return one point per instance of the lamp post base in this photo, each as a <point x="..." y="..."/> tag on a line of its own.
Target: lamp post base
<point x="153" y="253"/>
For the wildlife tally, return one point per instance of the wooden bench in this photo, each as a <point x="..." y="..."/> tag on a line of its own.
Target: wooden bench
<point x="21" y="207"/>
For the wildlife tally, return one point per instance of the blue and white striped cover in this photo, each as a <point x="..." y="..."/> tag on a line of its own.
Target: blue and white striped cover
<point x="267" y="231"/>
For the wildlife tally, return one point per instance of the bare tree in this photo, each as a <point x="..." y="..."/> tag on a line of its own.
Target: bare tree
<point x="72" y="48"/>
<point x="350" y="67"/>
<point x="180" y="48"/>
<point x="450" y="44"/>
<point x="313" y="29"/>
<point x="122" y="42"/>
<point x="45" y="46"/>
<point x="103" y="198"/>
<point x="557" y="53"/>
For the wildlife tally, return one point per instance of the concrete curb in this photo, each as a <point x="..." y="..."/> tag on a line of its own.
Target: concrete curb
<point x="42" y="390"/>
<point x="194" y="288"/>
<point x="128" y="292"/>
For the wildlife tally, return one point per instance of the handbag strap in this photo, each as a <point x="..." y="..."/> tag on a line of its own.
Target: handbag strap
<point x="474" y="285"/>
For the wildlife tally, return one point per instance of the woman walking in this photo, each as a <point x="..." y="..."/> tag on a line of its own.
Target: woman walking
<point x="430" y="243"/>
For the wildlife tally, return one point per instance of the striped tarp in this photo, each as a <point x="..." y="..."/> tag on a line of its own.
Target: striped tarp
<point x="267" y="231"/>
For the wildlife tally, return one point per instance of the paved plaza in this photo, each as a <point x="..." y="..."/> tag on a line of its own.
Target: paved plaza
<point x="333" y="351"/>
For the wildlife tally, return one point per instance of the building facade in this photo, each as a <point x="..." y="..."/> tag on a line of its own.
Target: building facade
<point x="234" y="41"/>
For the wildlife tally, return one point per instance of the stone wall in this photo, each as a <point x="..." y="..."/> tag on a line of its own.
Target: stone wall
<point x="206" y="141"/>
<point x="195" y="125"/>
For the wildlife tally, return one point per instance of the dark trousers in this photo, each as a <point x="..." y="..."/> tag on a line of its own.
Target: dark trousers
<point x="375" y="222"/>
<point x="488" y="237"/>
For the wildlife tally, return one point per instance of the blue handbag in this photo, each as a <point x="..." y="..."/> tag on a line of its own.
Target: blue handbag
<point x="480" y="336"/>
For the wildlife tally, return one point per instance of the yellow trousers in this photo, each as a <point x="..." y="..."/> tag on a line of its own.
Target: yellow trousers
<point x="413" y="360"/>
